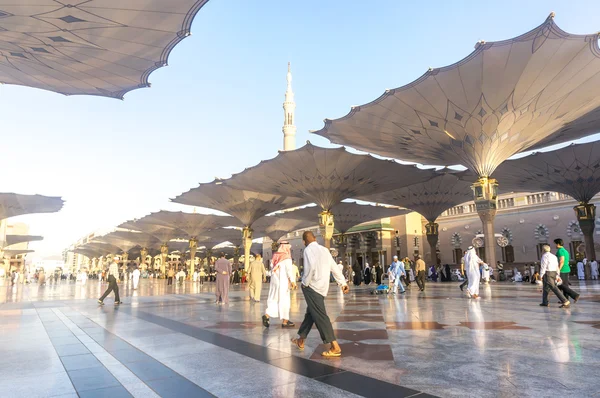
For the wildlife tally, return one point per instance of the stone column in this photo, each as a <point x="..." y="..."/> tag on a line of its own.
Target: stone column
<point x="193" y="248"/>
<point x="247" y="235"/>
<point x="164" y="255"/>
<point x="326" y="223"/>
<point x="586" y="215"/>
<point x="485" y="192"/>
<point x="432" y="233"/>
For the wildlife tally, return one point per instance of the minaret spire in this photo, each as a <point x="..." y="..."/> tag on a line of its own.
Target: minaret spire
<point x="289" y="108"/>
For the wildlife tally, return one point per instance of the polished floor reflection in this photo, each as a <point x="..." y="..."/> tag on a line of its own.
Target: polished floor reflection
<point x="172" y="341"/>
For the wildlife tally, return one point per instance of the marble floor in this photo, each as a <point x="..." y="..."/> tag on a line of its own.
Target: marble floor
<point x="173" y="341"/>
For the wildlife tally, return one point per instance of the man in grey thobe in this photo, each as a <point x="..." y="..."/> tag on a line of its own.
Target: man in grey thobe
<point x="223" y="270"/>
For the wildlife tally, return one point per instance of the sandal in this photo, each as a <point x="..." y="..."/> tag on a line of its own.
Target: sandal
<point x="265" y="321"/>
<point x="288" y="325"/>
<point x="298" y="344"/>
<point x="331" y="354"/>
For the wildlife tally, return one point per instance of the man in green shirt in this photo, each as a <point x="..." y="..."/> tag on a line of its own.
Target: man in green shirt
<point x="563" y="264"/>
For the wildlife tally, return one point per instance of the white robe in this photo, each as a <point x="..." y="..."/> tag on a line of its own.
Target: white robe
<point x="594" y="268"/>
<point x="580" y="270"/>
<point x="135" y="276"/>
<point x="472" y="262"/>
<point x="485" y="273"/>
<point x="278" y="303"/>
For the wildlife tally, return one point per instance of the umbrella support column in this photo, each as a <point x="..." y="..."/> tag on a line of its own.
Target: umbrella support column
<point x="193" y="248"/>
<point x="247" y="235"/>
<point x="432" y="232"/>
<point x="326" y="223"/>
<point x="485" y="192"/>
<point x="143" y="255"/>
<point x="586" y="215"/>
<point x="164" y="254"/>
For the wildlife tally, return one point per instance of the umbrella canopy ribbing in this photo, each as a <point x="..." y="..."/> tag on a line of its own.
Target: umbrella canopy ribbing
<point x="504" y="98"/>
<point x="431" y="198"/>
<point x="247" y="205"/>
<point x="326" y="176"/>
<point x="573" y="170"/>
<point x="95" y="47"/>
<point x="13" y="204"/>
<point x="192" y="224"/>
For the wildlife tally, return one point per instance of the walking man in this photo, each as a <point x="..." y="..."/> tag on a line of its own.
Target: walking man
<point x="549" y="271"/>
<point x="256" y="276"/>
<point x="421" y="276"/>
<point x="223" y="270"/>
<point x="462" y="271"/>
<point x="565" y="269"/>
<point x="318" y="265"/>
<point x="113" y="274"/>
<point x="135" y="277"/>
<point x="396" y="272"/>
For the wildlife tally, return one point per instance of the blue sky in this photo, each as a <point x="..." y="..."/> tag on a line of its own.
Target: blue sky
<point x="217" y="108"/>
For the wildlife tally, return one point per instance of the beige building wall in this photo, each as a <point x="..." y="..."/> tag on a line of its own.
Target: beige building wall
<point x="528" y="220"/>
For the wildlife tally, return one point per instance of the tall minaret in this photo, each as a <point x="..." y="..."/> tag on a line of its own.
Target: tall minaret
<point x="289" y="107"/>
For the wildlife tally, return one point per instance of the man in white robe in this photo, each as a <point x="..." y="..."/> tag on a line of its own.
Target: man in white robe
<point x="472" y="262"/>
<point x="135" y="276"/>
<point x="580" y="270"/>
<point x="594" y="269"/>
<point x="282" y="281"/>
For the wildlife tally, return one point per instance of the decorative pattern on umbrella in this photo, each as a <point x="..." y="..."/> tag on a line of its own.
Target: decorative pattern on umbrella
<point x="504" y="98"/>
<point x="93" y="47"/>
<point x="326" y="176"/>
<point x="430" y="198"/>
<point x="573" y="170"/>
<point x="14" y="204"/>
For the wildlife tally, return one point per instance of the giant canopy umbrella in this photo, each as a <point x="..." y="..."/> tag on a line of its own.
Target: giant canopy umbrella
<point x="192" y="224"/>
<point x="163" y="233"/>
<point x="101" y="248"/>
<point x="16" y="239"/>
<point x="504" y="98"/>
<point x="87" y="252"/>
<point x="573" y="170"/>
<point x="430" y="199"/>
<point x="326" y="176"/>
<point x="122" y="243"/>
<point x="14" y="204"/>
<point x="278" y="225"/>
<point x="348" y="215"/>
<point x="141" y="239"/>
<point x="221" y="236"/>
<point x="246" y="205"/>
<point x="94" y="47"/>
